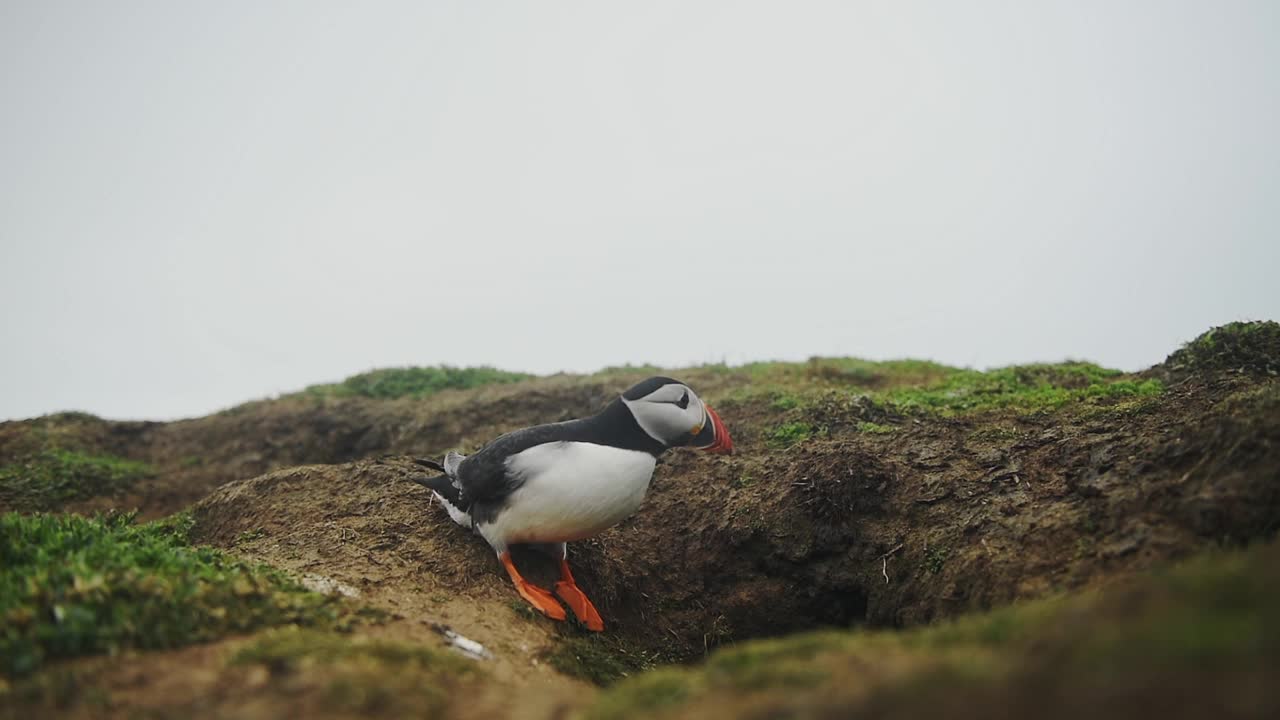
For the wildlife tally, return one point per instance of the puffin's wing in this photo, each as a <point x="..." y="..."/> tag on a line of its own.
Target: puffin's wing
<point x="486" y="476"/>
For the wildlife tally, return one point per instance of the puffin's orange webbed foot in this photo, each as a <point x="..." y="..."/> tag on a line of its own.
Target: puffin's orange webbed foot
<point x="542" y="600"/>
<point x="534" y="595"/>
<point x="573" y="596"/>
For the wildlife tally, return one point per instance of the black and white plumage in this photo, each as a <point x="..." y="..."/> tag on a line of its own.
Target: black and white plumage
<point x="552" y="484"/>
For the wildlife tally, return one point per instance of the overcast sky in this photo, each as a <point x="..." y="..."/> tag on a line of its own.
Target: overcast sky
<point x="203" y="203"/>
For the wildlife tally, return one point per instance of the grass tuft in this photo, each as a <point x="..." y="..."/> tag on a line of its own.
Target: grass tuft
<point x="788" y="434"/>
<point x="935" y="559"/>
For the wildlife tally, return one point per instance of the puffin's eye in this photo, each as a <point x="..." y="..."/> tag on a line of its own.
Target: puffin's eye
<point x="683" y="402"/>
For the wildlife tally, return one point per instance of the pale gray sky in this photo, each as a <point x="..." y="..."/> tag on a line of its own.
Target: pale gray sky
<point x="204" y="203"/>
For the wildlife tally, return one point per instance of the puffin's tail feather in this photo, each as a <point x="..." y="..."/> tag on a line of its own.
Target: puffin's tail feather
<point x="431" y="464"/>
<point x="442" y="485"/>
<point x="450" y="496"/>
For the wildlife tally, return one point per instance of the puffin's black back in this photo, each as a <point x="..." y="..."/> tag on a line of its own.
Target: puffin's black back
<point x="486" y="479"/>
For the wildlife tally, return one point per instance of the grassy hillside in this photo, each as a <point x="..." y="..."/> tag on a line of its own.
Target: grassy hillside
<point x="891" y="538"/>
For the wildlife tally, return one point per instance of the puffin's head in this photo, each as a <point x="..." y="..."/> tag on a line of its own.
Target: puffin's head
<point x="673" y="414"/>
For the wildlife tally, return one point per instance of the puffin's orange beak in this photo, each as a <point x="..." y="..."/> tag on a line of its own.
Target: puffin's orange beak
<point x="723" y="444"/>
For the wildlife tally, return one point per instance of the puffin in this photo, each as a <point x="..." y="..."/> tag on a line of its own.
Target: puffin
<point x="552" y="484"/>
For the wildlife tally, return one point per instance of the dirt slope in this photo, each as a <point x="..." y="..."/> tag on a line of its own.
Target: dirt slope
<point x="363" y="525"/>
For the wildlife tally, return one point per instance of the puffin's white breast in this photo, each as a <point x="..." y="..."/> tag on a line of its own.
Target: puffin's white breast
<point x="571" y="490"/>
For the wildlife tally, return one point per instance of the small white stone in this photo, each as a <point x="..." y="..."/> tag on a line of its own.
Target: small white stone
<point x="328" y="586"/>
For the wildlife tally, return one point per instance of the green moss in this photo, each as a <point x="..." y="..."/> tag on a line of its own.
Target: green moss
<point x="644" y="369"/>
<point x="248" y="536"/>
<point x="1023" y="388"/>
<point x="773" y="663"/>
<point x="1260" y="398"/>
<point x="995" y="433"/>
<point x="1090" y="525"/>
<point x="788" y="434"/>
<point x="935" y="559"/>
<point x="51" y="476"/>
<point x="361" y="675"/>
<point x="523" y="609"/>
<point x="840" y="393"/>
<point x="71" y="417"/>
<point x="785" y="402"/>
<point x="71" y="585"/>
<point x="1085" y="547"/>
<point x="786" y="664"/>
<point x="57" y="688"/>
<point x="1220" y="609"/>
<point x="844" y="371"/>
<point x="391" y="383"/>
<point x="600" y="659"/>
<point x="1000" y="628"/>
<point x="648" y="693"/>
<point x="290" y="648"/>
<point x="826" y="373"/>
<point x="878" y="374"/>
<point x="1121" y="409"/>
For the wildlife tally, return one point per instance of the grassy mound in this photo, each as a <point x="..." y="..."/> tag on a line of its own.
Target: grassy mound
<point x="1216" y="618"/>
<point x="389" y="383"/>
<point x="877" y="398"/>
<point x="891" y="389"/>
<point x="1246" y="347"/>
<point x="60" y="458"/>
<point x="53" y="476"/>
<point x="1022" y="388"/>
<point x="359" y="675"/>
<point x="71" y="585"/>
